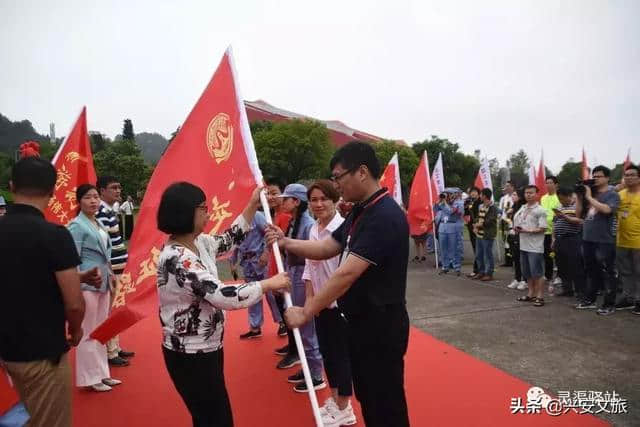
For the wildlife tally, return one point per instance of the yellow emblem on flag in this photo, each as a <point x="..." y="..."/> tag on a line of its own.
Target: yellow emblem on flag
<point x="220" y="137"/>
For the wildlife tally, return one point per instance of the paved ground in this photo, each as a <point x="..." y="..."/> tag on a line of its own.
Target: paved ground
<point x="554" y="347"/>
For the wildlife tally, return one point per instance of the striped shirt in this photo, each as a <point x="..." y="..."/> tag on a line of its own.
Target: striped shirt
<point x="562" y="227"/>
<point x="109" y="219"/>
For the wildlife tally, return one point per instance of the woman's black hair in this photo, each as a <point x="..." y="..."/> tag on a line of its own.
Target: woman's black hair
<point x="302" y="207"/>
<point x="177" y="208"/>
<point x="80" y="193"/>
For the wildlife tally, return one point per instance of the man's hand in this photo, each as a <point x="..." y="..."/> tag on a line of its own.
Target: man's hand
<point x="92" y="277"/>
<point x="344" y="207"/>
<point x="255" y="197"/>
<point x="295" y="317"/>
<point x="274" y="234"/>
<point x="74" y="337"/>
<point x="587" y="192"/>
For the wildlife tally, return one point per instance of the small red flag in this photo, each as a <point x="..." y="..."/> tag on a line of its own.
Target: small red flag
<point x="423" y="190"/>
<point x="627" y="160"/>
<point x="483" y="179"/>
<point x="391" y="179"/>
<point x="213" y="150"/>
<point x="541" y="178"/>
<point x="585" y="168"/>
<point x="74" y="165"/>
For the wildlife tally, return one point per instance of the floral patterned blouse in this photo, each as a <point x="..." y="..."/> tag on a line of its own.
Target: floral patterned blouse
<point x="192" y="297"/>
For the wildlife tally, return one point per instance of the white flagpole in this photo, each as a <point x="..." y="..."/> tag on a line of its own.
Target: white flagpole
<point x="255" y="169"/>
<point x="433" y="219"/>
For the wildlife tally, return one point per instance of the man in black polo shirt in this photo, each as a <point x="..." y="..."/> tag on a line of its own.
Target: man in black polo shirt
<point x="41" y="307"/>
<point x="369" y="284"/>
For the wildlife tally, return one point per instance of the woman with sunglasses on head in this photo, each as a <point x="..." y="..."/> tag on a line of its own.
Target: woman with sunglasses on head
<point x="192" y="299"/>
<point x="94" y="247"/>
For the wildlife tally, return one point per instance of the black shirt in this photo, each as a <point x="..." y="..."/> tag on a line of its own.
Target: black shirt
<point x="379" y="235"/>
<point x="32" y="319"/>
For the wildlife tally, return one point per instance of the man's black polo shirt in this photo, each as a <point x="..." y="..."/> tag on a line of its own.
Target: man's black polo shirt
<point x="379" y="234"/>
<point x="32" y="319"/>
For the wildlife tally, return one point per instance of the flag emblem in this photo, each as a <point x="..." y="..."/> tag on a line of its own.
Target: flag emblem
<point x="220" y="137"/>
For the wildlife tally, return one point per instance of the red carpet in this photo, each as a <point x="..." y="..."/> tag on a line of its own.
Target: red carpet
<point x="445" y="387"/>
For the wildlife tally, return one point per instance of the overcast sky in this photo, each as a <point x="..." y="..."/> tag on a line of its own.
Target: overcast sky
<point x="489" y="75"/>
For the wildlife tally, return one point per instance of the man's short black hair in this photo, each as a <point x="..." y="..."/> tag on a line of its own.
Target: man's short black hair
<point x="104" y="181"/>
<point x="552" y="178"/>
<point x="33" y="176"/>
<point x="354" y="154"/>
<point x="509" y="182"/>
<point x="605" y="170"/>
<point x="535" y="187"/>
<point x="634" y="167"/>
<point x="565" y="191"/>
<point x="178" y="206"/>
<point x="486" y="192"/>
<point x="272" y="180"/>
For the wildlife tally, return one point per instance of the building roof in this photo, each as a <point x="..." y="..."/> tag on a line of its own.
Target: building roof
<point x="339" y="132"/>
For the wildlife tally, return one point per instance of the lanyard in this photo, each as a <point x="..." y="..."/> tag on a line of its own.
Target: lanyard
<point x="367" y="206"/>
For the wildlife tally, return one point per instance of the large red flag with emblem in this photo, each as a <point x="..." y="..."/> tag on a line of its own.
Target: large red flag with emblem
<point x="423" y="190"/>
<point x="213" y="150"/>
<point x="74" y="165"/>
<point x="391" y="179"/>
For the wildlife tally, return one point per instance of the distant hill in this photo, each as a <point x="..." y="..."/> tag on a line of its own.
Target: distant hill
<point x="152" y="146"/>
<point x="12" y="134"/>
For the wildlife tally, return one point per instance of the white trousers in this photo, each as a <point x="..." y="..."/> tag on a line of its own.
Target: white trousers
<point x="91" y="356"/>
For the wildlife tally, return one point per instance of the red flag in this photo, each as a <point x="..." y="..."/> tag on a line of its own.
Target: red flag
<point x="213" y="150"/>
<point x="585" y="168"/>
<point x="8" y="396"/>
<point x="420" y="212"/>
<point x="74" y="164"/>
<point x="483" y="179"/>
<point x="390" y="179"/>
<point x="541" y="178"/>
<point x="627" y="160"/>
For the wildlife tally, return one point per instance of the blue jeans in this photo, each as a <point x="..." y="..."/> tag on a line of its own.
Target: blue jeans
<point x="450" y="248"/>
<point x="308" y="330"/>
<point x="484" y="256"/>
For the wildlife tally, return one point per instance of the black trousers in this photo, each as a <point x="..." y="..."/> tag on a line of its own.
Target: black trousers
<point x="378" y="342"/>
<point x="472" y="238"/>
<point x="514" y="246"/>
<point x="599" y="262"/>
<point x="569" y="260"/>
<point x="293" y="350"/>
<point x="199" y="379"/>
<point x="548" y="261"/>
<point x="331" y="329"/>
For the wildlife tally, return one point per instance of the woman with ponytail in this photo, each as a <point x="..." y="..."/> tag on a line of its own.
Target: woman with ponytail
<point x="295" y="202"/>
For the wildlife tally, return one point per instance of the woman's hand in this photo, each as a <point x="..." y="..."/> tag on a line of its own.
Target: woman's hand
<point x="91" y="277"/>
<point x="274" y="234"/>
<point x="255" y="197"/>
<point x="278" y="282"/>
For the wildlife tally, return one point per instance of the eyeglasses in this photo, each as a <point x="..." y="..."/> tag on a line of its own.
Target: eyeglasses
<point x="336" y="178"/>
<point x="203" y="208"/>
<point x="598" y="176"/>
<point x="630" y="175"/>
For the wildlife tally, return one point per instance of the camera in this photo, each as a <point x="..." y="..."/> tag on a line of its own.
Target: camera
<point x="579" y="187"/>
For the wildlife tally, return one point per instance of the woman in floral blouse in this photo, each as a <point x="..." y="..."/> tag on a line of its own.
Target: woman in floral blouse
<point x="192" y="299"/>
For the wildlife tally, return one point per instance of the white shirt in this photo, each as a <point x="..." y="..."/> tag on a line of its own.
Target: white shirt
<point x="126" y="208"/>
<point x="530" y="217"/>
<point x="318" y="272"/>
<point x="506" y="202"/>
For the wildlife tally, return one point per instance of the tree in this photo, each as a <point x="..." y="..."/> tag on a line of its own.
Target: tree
<point x="98" y="142"/>
<point x="152" y="146"/>
<point x="6" y="163"/>
<point x="127" y="130"/>
<point x="407" y="159"/>
<point x="519" y="163"/>
<point x="123" y="159"/>
<point x="460" y="169"/>
<point x="570" y="173"/>
<point x="293" y="150"/>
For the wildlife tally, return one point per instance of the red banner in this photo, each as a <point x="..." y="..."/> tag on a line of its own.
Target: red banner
<point x="541" y="178"/>
<point x="390" y="179"/>
<point x="423" y="191"/>
<point x="213" y="150"/>
<point x="8" y="396"/>
<point x="74" y="165"/>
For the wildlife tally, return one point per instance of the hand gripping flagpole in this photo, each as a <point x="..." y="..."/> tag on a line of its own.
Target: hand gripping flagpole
<point x="296" y="332"/>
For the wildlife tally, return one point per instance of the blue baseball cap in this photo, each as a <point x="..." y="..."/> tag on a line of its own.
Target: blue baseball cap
<point x="297" y="191"/>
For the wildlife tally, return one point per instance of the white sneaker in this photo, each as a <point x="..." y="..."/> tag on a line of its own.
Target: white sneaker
<point x="557" y="281"/>
<point x="111" y="382"/>
<point x="513" y="284"/>
<point x="100" y="387"/>
<point x="337" y="417"/>
<point x="328" y="406"/>
<point x="523" y="286"/>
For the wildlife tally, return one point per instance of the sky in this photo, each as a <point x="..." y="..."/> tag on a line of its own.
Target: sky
<point x="552" y="76"/>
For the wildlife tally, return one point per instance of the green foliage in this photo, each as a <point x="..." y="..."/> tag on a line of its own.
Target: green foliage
<point x="407" y="159"/>
<point x="570" y="173"/>
<point x="6" y="163"/>
<point x="519" y="163"/>
<point x="123" y="159"/>
<point x="152" y="146"/>
<point x="460" y="169"/>
<point x="98" y="142"/>
<point x="293" y="150"/>
<point x="127" y="130"/>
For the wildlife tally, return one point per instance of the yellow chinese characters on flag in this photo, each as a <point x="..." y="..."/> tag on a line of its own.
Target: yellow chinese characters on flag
<point x="213" y="150"/>
<point x="74" y="166"/>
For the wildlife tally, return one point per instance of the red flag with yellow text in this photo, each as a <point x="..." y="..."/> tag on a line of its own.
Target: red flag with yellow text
<point x="213" y="150"/>
<point x="423" y="190"/>
<point x="74" y="165"/>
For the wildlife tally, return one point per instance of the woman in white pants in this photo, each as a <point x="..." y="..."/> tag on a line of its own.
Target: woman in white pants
<point x="94" y="247"/>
